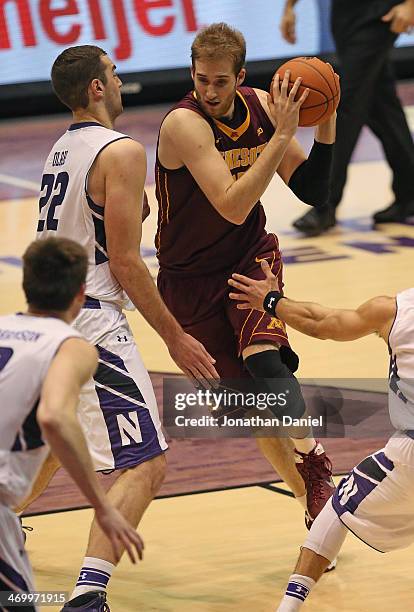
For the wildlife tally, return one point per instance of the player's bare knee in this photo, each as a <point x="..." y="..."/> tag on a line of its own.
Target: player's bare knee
<point x="253" y="349"/>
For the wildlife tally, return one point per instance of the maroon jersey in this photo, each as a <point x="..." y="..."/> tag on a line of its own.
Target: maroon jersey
<point x="193" y="238"/>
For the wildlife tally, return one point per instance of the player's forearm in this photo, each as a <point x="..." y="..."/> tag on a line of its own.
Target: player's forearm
<point x="290" y="3"/>
<point x="244" y="193"/>
<point x="306" y="317"/>
<point x="67" y="443"/>
<point x="326" y="132"/>
<point x="134" y="277"/>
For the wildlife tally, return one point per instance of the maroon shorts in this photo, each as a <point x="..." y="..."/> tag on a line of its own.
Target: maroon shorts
<point x="202" y="306"/>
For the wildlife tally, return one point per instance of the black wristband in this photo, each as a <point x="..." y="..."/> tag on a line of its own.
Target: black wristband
<point x="271" y="301"/>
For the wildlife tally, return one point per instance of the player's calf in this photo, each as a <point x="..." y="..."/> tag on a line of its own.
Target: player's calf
<point x="315" y="468"/>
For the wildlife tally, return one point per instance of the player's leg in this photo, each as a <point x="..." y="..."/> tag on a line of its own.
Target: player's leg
<point x="264" y="347"/>
<point x="265" y="365"/>
<point x="279" y="453"/>
<point x="119" y="416"/>
<point x="362" y="44"/>
<point x="47" y="471"/>
<point x="321" y="547"/>
<point x="131" y="494"/>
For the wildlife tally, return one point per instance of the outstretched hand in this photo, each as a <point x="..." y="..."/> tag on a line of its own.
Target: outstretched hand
<point x="251" y="293"/>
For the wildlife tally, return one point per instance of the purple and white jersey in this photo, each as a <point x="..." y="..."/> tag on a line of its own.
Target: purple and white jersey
<point x="401" y="382"/>
<point x="67" y="211"/>
<point x="27" y="347"/>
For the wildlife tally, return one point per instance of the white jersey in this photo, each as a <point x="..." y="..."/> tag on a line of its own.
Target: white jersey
<point x="27" y="347"/>
<point x="401" y="383"/>
<point x="67" y="211"/>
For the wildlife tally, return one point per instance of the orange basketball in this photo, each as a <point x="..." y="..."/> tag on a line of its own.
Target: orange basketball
<point x="323" y="85"/>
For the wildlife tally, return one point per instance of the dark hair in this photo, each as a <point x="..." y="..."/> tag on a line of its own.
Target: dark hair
<point x="54" y="270"/>
<point x="219" y="40"/>
<point x="72" y="72"/>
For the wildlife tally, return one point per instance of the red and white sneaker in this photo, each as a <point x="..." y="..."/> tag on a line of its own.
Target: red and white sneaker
<point x="316" y="471"/>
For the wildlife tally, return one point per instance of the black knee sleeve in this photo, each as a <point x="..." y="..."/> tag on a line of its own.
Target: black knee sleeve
<point x="272" y="376"/>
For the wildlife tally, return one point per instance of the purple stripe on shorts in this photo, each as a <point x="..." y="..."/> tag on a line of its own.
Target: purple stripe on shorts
<point x="110" y="357"/>
<point x="384" y="461"/>
<point x="91" y="303"/>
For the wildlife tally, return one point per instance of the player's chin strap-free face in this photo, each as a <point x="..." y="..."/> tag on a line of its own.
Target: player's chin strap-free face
<point x="271" y="301"/>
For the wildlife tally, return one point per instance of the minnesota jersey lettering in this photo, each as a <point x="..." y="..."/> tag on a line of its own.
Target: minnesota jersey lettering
<point x="236" y="158"/>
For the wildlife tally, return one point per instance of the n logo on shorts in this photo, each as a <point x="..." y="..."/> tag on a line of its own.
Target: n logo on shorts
<point x="129" y="428"/>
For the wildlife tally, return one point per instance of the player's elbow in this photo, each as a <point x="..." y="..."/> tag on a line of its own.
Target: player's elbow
<point x="121" y="264"/>
<point x="232" y="213"/>
<point x="237" y="219"/>
<point x="49" y="420"/>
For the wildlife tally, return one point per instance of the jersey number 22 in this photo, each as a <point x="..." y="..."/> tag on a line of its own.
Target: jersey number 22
<point x="58" y="186"/>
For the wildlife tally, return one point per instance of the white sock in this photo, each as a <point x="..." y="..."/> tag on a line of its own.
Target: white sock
<point x="304" y="445"/>
<point x="297" y="590"/>
<point x="94" y="576"/>
<point x="302" y="501"/>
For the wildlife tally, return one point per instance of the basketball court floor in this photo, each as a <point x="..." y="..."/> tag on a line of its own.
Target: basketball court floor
<point x="224" y="534"/>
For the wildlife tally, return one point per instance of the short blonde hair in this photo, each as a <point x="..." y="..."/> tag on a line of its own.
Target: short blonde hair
<point x="219" y="40"/>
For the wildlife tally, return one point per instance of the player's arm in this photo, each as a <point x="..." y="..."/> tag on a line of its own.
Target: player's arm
<point x="308" y="177"/>
<point x="74" y="363"/>
<point x="191" y="139"/>
<point x="123" y="164"/>
<point x="374" y="316"/>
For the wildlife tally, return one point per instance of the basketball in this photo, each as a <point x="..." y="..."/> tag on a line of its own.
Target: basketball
<point x="323" y="85"/>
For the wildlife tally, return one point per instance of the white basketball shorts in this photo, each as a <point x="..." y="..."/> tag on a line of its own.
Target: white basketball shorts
<point x="118" y="410"/>
<point x="376" y="500"/>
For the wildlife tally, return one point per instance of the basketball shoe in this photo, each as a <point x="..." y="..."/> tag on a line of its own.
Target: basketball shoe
<point x="92" y="601"/>
<point x="316" y="471"/>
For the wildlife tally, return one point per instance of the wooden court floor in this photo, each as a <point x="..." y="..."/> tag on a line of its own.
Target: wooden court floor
<point x="232" y="549"/>
<point x="221" y="552"/>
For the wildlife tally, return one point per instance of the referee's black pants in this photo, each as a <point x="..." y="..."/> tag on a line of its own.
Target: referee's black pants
<point x="368" y="94"/>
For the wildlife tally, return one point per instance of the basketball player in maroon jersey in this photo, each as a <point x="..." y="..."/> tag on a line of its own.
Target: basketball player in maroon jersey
<point x="218" y="149"/>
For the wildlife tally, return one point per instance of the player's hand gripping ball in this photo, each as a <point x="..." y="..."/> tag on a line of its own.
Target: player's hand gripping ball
<point x="323" y="85"/>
